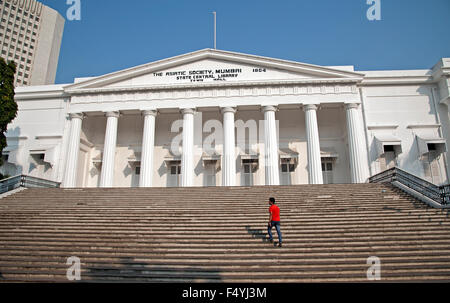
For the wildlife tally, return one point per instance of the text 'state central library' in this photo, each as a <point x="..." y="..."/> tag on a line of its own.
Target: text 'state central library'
<point x="217" y="118"/>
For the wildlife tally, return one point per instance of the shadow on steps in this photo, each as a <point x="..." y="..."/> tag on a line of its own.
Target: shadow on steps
<point x="129" y="270"/>
<point x="259" y="234"/>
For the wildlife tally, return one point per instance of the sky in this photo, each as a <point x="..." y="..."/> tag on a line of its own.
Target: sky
<point x="114" y="35"/>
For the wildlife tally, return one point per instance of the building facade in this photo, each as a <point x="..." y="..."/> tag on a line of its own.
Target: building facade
<point x="31" y="35"/>
<point x="217" y="118"/>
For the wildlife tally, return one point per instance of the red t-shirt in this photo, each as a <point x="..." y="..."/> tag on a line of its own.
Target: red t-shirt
<point x="275" y="210"/>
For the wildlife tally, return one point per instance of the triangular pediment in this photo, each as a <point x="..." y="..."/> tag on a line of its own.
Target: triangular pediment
<point x="213" y="67"/>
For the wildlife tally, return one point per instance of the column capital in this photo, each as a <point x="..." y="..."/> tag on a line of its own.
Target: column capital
<point x="224" y="110"/>
<point x="269" y="108"/>
<point x="112" y="114"/>
<point x="149" y="112"/>
<point x="80" y="116"/>
<point x="351" y="105"/>
<point x="307" y="107"/>
<point x="185" y="111"/>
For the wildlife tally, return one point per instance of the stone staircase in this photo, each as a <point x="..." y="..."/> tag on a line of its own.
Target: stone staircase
<point x="218" y="235"/>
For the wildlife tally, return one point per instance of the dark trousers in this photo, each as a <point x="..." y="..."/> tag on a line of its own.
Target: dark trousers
<point x="277" y="225"/>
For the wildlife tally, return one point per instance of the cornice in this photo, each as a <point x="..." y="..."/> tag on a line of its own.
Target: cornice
<point x="40" y="95"/>
<point x="414" y="126"/>
<point x="215" y="85"/>
<point x="336" y="89"/>
<point x="409" y="80"/>
<point x="375" y="127"/>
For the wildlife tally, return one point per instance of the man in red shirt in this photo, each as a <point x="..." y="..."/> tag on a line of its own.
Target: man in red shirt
<point x="274" y="220"/>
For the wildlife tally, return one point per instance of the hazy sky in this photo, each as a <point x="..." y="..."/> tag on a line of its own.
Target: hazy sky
<point x="114" y="35"/>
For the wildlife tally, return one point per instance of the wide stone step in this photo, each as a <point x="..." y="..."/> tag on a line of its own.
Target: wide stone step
<point x="218" y="234"/>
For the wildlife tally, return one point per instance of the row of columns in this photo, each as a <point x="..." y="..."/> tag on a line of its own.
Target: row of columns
<point x="354" y="126"/>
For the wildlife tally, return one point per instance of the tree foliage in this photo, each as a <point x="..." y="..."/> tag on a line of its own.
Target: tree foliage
<point x="8" y="106"/>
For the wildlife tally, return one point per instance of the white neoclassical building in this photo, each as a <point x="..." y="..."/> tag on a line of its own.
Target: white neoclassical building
<point x="217" y="118"/>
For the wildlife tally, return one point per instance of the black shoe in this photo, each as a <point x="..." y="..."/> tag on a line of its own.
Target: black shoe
<point x="280" y="245"/>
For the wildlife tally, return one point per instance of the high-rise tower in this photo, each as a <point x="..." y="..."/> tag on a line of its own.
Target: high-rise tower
<point x="30" y="35"/>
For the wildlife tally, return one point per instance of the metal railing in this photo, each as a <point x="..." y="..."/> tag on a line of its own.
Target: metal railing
<point x="12" y="183"/>
<point x="439" y="194"/>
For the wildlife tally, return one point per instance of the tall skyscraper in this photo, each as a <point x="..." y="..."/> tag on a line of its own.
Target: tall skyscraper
<point x="30" y="35"/>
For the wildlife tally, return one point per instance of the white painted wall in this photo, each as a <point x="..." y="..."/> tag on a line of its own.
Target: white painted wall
<point x="39" y="126"/>
<point x="402" y="111"/>
<point x="399" y="103"/>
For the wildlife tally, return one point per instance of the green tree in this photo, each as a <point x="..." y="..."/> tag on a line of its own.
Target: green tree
<point x="8" y="106"/>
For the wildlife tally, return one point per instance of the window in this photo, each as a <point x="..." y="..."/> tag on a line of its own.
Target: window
<point x="174" y="176"/>
<point x="432" y="167"/>
<point x="137" y="170"/>
<point x="287" y="168"/>
<point x="246" y="169"/>
<point x="389" y="158"/>
<point x="250" y="166"/>
<point x="432" y="147"/>
<point x="327" y="166"/>
<point x="175" y="170"/>
<point x="327" y="170"/>
<point x="389" y="148"/>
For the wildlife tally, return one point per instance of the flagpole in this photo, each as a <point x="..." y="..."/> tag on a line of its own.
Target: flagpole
<point x="215" y="30"/>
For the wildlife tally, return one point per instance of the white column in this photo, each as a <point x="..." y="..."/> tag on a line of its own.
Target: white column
<point x="187" y="157"/>
<point x="70" y="176"/>
<point x="313" y="142"/>
<point x="271" y="146"/>
<point x="359" y="171"/>
<point x="109" y="150"/>
<point x="229" y="147"/>
<point x="148" y="145"/>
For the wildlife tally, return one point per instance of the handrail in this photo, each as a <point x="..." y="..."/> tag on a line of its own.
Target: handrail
<point x="439" y="194"/>
<point x="26" y="181"/>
